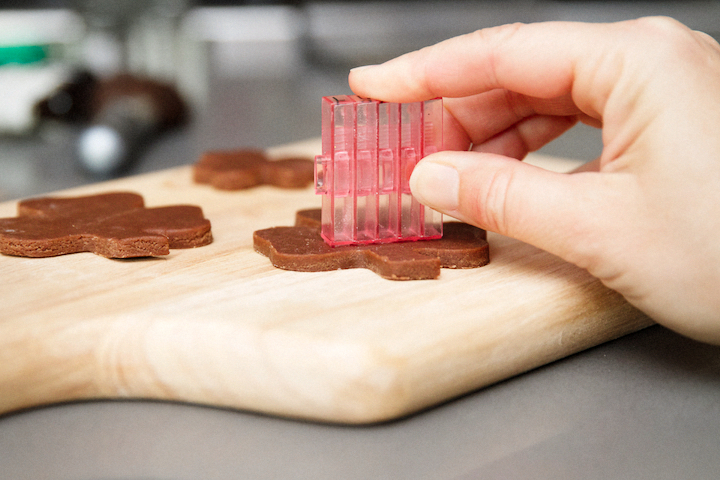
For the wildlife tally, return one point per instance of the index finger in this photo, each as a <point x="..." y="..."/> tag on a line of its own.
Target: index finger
<point x="541" y="60"/>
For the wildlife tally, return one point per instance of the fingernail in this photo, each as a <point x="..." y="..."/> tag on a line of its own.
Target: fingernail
<point x="362" y="67"/>
<point x="436" y="185"/>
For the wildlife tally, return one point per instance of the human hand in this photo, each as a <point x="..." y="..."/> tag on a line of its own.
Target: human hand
<point x="644" y="217"/>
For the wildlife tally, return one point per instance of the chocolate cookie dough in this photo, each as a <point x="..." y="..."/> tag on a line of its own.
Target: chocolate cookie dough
<point x="241" y="169"/>
<point x="113" y="225"/>
<point x="301" y="248"/>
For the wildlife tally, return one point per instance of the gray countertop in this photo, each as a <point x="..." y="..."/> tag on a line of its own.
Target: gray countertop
<point x="645" y="406"/>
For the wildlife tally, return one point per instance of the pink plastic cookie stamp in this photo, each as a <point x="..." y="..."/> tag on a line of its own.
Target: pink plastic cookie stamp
<point x="369" y="150"/>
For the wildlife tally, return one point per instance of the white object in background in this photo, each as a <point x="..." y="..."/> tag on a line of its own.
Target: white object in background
<point x="21" y="87"/>
<point x="40" y="27"/>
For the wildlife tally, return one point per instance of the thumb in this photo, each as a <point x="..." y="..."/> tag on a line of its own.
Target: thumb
<point x="557" y="212"/>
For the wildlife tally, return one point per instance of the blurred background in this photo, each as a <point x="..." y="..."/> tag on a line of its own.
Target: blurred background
<point x="248" y="74"/>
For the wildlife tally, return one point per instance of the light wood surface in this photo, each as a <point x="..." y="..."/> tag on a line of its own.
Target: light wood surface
<point x="219" y="325"/>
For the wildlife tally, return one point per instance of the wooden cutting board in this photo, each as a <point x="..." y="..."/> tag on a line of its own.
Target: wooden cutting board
<point x="219" y="325"/>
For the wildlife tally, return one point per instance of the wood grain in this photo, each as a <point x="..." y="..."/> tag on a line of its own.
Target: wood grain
<point x="218" y="325"/>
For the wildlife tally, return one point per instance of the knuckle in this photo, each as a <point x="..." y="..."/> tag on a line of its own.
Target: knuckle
<point x="491" y="201"/>
<point x="671" y="40"/>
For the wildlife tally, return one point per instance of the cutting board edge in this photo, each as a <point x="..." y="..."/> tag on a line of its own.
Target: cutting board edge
<point x="352" y="400"/>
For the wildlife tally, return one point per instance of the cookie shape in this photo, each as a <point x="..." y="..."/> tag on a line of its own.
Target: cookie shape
<point x="301" y="248"/>
<point x="241" y="169"/>
<point x="113" y="225"/>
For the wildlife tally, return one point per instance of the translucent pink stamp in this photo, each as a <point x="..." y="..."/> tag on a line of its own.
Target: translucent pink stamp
<point x="369" y="150"/>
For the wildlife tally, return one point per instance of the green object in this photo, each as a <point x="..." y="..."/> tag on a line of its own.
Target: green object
<point x="23" y="54"/>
